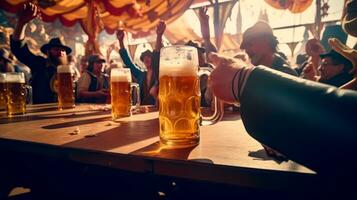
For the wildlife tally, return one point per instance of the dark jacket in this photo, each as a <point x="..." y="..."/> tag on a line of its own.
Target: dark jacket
<point x="140" y="75"/>
<point x="43" y="73"/>
<point x="312" y="123"/>
<point x="338" y="80"/>
<point x="280" y="64"/>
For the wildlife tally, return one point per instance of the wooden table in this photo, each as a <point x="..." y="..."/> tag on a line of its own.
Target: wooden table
<point x="226" y="153"/>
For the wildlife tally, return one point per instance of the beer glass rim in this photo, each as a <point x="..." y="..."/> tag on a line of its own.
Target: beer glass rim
<point x="10" y="75"/>
<point x="120" y="69"/>
<point x="178" y="46"/>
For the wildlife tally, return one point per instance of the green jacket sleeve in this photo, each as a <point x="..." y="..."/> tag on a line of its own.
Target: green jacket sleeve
<point x="137" y="71"/>
<point x="311" y="123"/>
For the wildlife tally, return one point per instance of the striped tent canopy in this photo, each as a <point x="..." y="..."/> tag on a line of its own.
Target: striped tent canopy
<point x="137" y="16"/>
<point x="294" y="6"/>
<point x="140" y="17"/>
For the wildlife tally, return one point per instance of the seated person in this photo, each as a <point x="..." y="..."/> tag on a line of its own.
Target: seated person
<point x="334" y="69"/>
<point x="92" y="86"/>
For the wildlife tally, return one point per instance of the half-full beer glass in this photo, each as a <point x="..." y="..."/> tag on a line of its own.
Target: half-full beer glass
<point x="15" y="93"/>
<point x="121" y="92"/>
<point x="2" y="91"/>
<point x="65" y="87"/>
<point x="179" y="97"/>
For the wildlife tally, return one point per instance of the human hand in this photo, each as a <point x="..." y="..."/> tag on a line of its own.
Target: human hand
<point x="220" y="80"/>
<point x="28" y="13"/>
<point x="309" y="72"/>
<point x="102" y="93"/>
<point x="202" y="14"/>
<point x="314" y="48"/>
<point x="160" y="29"/>
<point x="120" y="35"/>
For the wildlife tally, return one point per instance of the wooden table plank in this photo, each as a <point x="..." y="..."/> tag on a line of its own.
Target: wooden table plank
<point x="226" y="153"/>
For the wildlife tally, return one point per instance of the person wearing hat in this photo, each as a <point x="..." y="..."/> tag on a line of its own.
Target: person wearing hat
<point x="92" y="86"/>
<point x="261" y="46"/>
<point x="146" y="78"/>
<point x="334" y="69"/>
<point x="43" y="69"/>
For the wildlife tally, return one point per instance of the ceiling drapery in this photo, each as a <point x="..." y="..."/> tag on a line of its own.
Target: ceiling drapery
<point x="139" y="17"/>
<point x="295" y="6"/>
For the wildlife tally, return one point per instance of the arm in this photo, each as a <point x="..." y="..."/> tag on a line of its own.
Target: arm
<point x="155" y="58"/>
<point x="18" y="47"/>
<point x="204" y="22"/>
<point x="311" y="123"/>
<point x="160" y="29"/>
<point x="135" y="70"/>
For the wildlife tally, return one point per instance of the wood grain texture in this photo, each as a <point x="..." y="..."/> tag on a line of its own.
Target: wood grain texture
<point x="226" y="153"/>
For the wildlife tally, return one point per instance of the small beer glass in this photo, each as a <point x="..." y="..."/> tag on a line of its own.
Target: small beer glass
<point x="121" y="92"/>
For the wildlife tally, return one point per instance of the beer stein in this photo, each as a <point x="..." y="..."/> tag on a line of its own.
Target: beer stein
<point x="2" y="91"/>
<point x="180" y="95"/>
<point x="65" y="87"/>
<point x="121" y="92"/>
<point x="16" y="93"/>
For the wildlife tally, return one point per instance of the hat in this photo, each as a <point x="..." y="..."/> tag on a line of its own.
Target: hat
<point x="349" y="22"/>
<point x="96" y="58"/>
<point x="195" y="44"/>
<point x="145" y="53"/>
<point x="55" y="42"/>
<point x="258" y="29"/>
<point x="337" y="57"/>
<point x="5" y="54"/>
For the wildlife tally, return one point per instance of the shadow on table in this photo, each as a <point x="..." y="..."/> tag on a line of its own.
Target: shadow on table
<point x="68" y="114"/>
<point x="262" y="155"/>
<point x="76" y="123"/>
<point x="126" y="133"/>
<point x="158" y="150"/>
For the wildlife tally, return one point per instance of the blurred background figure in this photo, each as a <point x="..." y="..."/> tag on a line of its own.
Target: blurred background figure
<point x="93" y="85"/>
<point x="261" y="46"/>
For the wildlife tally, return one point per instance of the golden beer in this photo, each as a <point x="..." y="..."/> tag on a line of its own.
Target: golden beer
<point x="179" y="110"/>
<point x="180" y="97"/>
<point x="2" y="91"/>
<point x="120" y="90"/>
<point x="15" y="93"/>
<point x="121" y="99"/>
<point x="65" y="90"/>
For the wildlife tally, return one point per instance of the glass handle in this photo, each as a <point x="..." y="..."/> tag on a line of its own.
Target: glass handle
<point x="137" y="88"/>
<point x="217" y="104"/>
<point x="28" y="94"/>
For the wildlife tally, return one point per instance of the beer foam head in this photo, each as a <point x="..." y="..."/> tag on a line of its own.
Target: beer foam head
<point x="120" y="75"/>
<point x="65" y="69"/>
<point x="178" y="60"/>
<point x="14" y="77"/>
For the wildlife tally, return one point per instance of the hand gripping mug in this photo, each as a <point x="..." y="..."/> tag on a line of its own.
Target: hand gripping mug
<point x="179" y="97"/>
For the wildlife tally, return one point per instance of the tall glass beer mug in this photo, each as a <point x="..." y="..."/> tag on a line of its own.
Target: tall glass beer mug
<point x="16" y="93"/>
<point x="2" y="91"/>
<point x="65" y="88"/>
<point x="179" y="97"/>
<point x="121" y="92"/>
